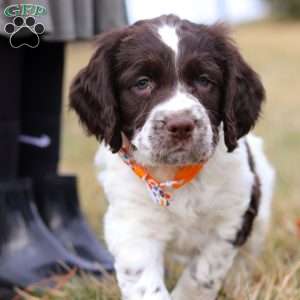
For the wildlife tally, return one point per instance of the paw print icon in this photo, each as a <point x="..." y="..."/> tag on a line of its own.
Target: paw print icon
<point x="24" y="27"/>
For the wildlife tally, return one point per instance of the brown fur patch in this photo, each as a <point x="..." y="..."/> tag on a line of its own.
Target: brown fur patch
<point x="252" y="210"/>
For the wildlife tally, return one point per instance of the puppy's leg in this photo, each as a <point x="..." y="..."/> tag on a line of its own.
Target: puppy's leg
<point x="204" y="276"/>
<point x="139" y="267"/>
<point x="137" y="244"/>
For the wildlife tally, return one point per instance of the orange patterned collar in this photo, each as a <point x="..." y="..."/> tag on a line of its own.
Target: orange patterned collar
<point x="156" y="188"/>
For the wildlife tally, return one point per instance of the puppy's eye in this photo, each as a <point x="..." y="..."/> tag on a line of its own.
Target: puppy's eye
<point x="143" y="86"/>
<point x="142" y="83"/>
<point x="203" y="80"/>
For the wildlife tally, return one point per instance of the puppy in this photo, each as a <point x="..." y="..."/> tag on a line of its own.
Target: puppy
<point x="166" y="94"/>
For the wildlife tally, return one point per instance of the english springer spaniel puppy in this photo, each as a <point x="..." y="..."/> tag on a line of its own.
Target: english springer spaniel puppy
<point x="173" y="102"/>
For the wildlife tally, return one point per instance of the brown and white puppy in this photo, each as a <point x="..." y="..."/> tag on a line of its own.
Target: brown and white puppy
<point x="180" y="93"/>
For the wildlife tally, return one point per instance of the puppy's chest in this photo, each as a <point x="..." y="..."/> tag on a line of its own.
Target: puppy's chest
<point x="199" y="211"/>
<point x="199" y="203"/>
<point x="193" y="215"/>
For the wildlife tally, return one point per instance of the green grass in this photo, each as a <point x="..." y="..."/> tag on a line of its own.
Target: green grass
<point x="273" y="49"/>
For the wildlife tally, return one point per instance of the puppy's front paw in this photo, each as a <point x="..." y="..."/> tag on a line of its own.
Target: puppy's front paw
<point x="139" y="270"/>
<point x="143" y="292"/>
<point x="159" y="293"/>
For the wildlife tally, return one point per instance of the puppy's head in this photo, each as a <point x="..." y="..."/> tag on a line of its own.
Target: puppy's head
<point x="167" y="84"/>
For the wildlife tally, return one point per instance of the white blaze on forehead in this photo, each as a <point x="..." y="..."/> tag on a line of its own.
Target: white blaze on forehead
<point x="169" y="36"/>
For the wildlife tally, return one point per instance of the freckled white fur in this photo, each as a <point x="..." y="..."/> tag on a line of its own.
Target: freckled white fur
<point x="203" y="216"/>
<point x="180" y="102"/>
<point x="169" y="36"/>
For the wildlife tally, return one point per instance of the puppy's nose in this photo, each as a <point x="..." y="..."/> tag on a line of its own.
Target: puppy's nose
<point x="180" y="127"/>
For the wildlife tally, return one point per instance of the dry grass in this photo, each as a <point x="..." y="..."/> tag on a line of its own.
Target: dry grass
<point x="274" y="51"/>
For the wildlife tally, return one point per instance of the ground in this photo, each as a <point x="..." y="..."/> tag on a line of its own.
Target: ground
<point x="273" y="49"/>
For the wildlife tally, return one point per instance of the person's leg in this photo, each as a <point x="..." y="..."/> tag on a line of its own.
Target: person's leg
<point x="56" y="196"/>
<point x="10" y="90"/>
<point x="20" y="223"/>
<point x="41" y="109"/>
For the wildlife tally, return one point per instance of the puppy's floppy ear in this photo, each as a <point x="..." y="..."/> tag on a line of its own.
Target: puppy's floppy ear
<point x="244" y="94"/>
<point x="93" y="94"/>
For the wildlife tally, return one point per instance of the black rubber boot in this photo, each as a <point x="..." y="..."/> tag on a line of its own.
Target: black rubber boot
<point x="58" y="204"/>
<point x="29" y="252"/>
